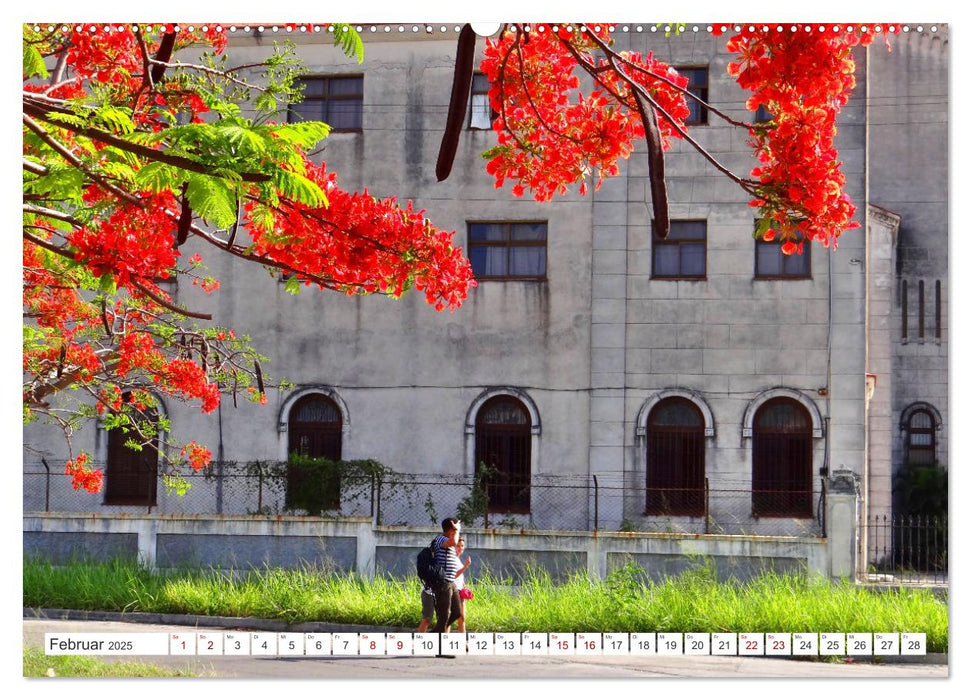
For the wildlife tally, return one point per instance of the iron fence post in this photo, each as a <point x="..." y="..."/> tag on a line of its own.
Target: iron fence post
<point x="596" y="504"/>
<point x="707" y="508"/>
<point x="47" y="486"/>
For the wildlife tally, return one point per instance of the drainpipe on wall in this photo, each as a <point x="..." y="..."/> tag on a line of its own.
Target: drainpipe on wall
<point x="219" y="460"/>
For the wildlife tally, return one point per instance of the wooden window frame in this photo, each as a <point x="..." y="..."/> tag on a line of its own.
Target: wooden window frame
<point x="700" y="91"/>
<point x="508" y="243"/>
<point x="659" y="242"/>
<point x="327" y="99"/>
<point x="806" y="251"/>
<point x="479" y="92"/>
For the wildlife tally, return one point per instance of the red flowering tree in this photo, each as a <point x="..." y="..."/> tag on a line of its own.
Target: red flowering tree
<point x="552" y="134"/>
<point x="128" y="152"/>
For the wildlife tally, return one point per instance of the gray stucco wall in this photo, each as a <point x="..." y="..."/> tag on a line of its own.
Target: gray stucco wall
<point x="599" y="339"/>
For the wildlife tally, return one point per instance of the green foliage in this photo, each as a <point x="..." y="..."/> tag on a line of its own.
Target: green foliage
<point x="476" y="504"/>
<point x="625" y="602"/>
<point x="33" y="62"/>
<point x="922" y="489"/>
<point x="349" y="41"/>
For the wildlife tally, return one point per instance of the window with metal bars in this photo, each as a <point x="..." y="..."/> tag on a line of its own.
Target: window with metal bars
<point x="503" y="438"/>
<point x="782" y="460"/>
<point x="675" y="459"/>
<point x="131" y="476"/>
<point x="921" y="447"/>
<point x="314" y="431"/>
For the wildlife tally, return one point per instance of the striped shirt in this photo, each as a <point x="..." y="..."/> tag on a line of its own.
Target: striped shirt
<point x="443" y="558"/>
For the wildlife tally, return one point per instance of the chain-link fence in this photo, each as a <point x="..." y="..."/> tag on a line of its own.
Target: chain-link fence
<point x="577" y="503"/>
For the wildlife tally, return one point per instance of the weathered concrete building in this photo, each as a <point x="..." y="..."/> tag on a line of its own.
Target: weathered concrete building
<point x="612" y="380"/>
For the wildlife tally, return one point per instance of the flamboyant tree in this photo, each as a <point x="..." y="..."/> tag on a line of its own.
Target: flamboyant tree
<point x="129" y="152"/>
<point x="551" y="134"/>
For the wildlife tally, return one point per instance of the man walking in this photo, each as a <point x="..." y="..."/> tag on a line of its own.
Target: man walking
<point x="448" y="605"/>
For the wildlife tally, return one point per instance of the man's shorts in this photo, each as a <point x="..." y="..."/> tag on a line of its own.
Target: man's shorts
<point x="427" y="606"/>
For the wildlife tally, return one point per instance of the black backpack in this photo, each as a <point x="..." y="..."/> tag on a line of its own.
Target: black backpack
<point x="429" y="571"/>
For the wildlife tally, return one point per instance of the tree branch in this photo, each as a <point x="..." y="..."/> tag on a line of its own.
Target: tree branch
<point x="65" y="153"/>
<point x="40" y="112"/>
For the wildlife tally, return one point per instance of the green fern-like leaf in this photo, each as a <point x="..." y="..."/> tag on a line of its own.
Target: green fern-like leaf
<point x="304" y="134"/>
<point x="157" y="177"/>
<point x="33" y="62"/>
<point x="299" y="188"/>
<point x="349" y="41"/>
<point x="120" y="119"/>
<point x="213" y="199"/>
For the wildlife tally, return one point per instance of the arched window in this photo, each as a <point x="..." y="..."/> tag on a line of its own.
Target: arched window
<point x="782" y="460"/>
<point x="502" y="443"/>
<point x="314" y="432"/>
<point x="131" y="476"/>
<point x="921" y="443"/>
<point x="675" y="459"/>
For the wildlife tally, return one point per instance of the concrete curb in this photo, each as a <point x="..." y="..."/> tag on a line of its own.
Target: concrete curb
<point x="261" y="624"/>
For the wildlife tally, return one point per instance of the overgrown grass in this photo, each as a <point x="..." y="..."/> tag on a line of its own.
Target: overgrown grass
<point x="37" y="664"/>
<point x="625" y="602"/>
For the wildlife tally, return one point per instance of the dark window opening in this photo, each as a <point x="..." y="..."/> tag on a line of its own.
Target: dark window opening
<point x="481" y="114"/>
<point x="772" y="263"/>
<point x="683" y="254"/>
<point x="314" y="432"/>
<point x="508" y="250"/>
<point x="337" y="101"/>
<point x="503" y="439"/>
<point x="131" y="476"/>
<point x="782" y="460"/>
<point x="698" y="86"/>
<point x="921" y="441"/>
<point x="675" y="459"/>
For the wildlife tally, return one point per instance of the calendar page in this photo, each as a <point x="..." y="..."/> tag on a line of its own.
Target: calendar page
<point x="486" y="350"/>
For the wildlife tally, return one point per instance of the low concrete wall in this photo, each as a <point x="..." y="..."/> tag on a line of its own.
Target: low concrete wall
<point x="354" y="544"/>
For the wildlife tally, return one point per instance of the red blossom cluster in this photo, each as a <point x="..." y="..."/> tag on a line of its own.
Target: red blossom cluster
<point x="82" y="477"/>
<point x="357" y="243"/>
<point x="134" y="243"/>
<point x="99" y="321"/>
<point x="550" y="134"/>
<point x="803" y="79"/>
<point x="198" y="456"/>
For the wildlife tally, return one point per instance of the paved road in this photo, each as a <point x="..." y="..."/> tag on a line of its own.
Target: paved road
<point x="499" y="667"/>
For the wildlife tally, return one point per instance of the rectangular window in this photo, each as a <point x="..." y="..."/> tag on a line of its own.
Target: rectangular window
<point x="508" y="250"/>
<point x="698" y="86"/>
<point x="772" y="264"/>
<point x="336" y="100"/>
<point x="920" y="310"/>
<point x="682" y="255"/>
<point x="762" y="115"/>
<point x="481" y="114"/>
<point x="937" y="309"/>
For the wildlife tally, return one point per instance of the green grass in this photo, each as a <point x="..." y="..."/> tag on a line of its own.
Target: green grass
<point x="37" y="664"/>
<point x="692" y="602"/>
